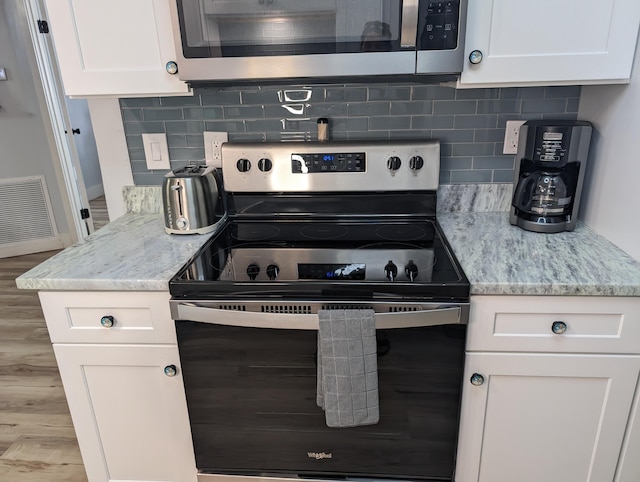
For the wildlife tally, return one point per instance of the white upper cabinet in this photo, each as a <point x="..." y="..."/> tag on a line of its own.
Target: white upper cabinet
<point x="117" y="47"/>
<point x="525" y="42"/>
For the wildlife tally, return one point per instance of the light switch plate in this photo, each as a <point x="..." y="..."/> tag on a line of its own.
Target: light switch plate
<point x="3" y="74"/>
<point x="213" y="148"/>
<point x="156" y="151"/>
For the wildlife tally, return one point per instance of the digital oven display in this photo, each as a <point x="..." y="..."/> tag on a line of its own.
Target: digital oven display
<point x="351" y="271"/>
<point x="328" y="162"/>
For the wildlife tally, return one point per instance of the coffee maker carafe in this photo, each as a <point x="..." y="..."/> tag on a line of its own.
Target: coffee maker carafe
<point x="549" y="175"/>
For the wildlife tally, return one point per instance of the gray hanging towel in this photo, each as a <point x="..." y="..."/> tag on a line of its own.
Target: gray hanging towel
<point x="347" y="383"/>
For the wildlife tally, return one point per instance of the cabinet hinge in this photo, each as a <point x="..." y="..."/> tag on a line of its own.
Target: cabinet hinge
<point x="43" y="26"/>
<point x="84" y="213"/>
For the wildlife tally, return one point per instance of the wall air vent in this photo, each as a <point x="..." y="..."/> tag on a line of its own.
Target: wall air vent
<point x="26" y="217"/>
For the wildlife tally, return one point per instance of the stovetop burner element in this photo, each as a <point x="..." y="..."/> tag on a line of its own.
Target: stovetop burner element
<point x="324" y="231"/>
<point x="405" y="232"/>
<point x="255" y="232"/>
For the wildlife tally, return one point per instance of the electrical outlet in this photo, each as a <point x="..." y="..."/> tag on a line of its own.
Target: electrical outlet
<point x="511" y="137"/>
<point x="213" y="147"/>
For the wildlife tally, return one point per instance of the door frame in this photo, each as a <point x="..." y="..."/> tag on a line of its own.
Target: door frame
<point x="59" y="119"/>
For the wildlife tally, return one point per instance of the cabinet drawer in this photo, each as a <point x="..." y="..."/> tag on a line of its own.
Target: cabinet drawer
<point x="108" y="317"/>
<point x="554" y="324"/>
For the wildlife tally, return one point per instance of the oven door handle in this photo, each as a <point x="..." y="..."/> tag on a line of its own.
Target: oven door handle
<point x="446" y="315"/>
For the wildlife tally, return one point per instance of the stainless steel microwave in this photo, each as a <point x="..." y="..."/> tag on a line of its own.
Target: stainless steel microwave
<point x="269" y="39"/>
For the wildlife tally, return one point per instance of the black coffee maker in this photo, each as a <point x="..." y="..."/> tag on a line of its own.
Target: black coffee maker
<point x="549" y="173"/>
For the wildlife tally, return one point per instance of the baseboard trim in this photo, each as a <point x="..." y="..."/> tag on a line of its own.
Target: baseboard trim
<point x="32" y="246"/>
<point x="95" y="191"/>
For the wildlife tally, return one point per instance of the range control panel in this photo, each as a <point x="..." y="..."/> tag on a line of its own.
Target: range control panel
<point x="331" y="166"/>
<point x="328" y="162"/>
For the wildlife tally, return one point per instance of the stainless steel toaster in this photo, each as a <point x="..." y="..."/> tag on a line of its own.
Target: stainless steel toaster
<point x="190" y="197"/>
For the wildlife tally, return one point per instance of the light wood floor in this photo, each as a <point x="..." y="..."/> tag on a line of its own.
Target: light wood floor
<point x="98" y="208"/>
<point x="37" y="440"/>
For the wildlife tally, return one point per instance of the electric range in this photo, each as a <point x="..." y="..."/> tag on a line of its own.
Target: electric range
<point x="311" y="227"/>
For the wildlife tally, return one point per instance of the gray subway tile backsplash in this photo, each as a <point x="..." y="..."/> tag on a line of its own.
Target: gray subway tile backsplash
<point x="471" y="176"/>
<point x="473" y="149"/>
<point x="162" y="114"/>
<point x="455" y="107"/>
<point x="469" y="122"/>
<point x="546" y="106"/>
<point x="389" y="93"/>
<point x="493" y="162"/>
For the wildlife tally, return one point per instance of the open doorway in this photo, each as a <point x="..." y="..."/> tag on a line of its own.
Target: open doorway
<point x="85" y="142"/>
<point x="42" y="186"/>
<point x="36" y="215"/>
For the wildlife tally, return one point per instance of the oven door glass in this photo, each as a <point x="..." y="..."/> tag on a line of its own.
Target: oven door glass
<point x="251" y="28"/>
<point x="251" y="395"/>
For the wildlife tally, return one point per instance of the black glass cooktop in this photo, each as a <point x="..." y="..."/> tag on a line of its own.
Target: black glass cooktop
<point x="296" y="259"/>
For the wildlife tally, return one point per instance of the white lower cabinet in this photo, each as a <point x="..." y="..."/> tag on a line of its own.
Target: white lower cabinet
<point x="629" y="466"/>
<point x="544" y="417"/>
<point x="531" y="415"/>
<point x="125" y="394"/>
<point x="130" y="416"/>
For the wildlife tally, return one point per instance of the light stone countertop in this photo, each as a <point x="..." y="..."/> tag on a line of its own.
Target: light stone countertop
<point x="134" y="253"/>
<point x="500" y="259"/>
<point x="131" y="253"/>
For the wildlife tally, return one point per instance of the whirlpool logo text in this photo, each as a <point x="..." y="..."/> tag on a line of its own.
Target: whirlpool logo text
<point x="319" y="455"/>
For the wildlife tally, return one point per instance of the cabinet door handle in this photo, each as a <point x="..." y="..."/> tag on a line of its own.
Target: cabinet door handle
<point x="559" y="327"/>
<point x="107" y="321"/>
<point x="170" y="370"/>
<point x="477" y="379"/>
<point x="475" y="57"/>
<point x="171" y="67"/>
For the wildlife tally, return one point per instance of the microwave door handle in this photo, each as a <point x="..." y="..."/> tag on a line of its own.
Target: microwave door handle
<point x="296" y="321"/>
<point x="409" y="26"/>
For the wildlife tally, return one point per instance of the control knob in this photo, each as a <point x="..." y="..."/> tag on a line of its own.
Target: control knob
<point x="273" y="271"/>
<point x="265" y="164"/>
<point x="253" y="270"/>
<point x="416" y="163"/>
<point x="394" y="163"/>
<point x="391" y="271"/>
<point x="411" y="271"/>
<point x="243" y="165"/>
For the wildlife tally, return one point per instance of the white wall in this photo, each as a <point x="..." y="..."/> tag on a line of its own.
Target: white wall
<point x="112" y="151"/>
<point x="85" y="143"/>
<point x="25" y="148"/>
<point x="611" y="195"/>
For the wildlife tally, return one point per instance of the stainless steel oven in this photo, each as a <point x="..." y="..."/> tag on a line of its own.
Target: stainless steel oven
<point x="298" y="241"/>
<point x="265" y="39"/>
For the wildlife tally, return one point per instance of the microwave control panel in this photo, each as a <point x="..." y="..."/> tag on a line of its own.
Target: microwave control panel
<point x="438" y="25"/>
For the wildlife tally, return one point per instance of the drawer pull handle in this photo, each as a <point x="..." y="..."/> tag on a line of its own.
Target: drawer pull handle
<point x="559" y="327"/>
<point x="107" y="321"/>
<point x="170" y="370"/>
<point x="477" y="379"/>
